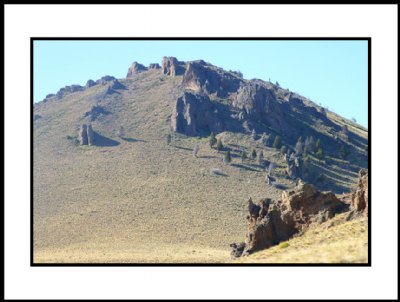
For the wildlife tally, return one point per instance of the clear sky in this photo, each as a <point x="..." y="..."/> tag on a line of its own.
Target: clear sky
<point x="333" y="73"/>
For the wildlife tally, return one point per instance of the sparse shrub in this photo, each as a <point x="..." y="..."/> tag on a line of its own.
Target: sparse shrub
<point x="283" y="245"/>
<point x="271" y="167"/>
<point x="243" y="156"/>
<point x="254" y="154"/>
<point x="121" y="132"/>
<point x="309" y="144"/>
<point x="253" y="134"/>
<point x="277" y="142"/>
<point x="261" y="158"/>
<point x="343" y="152"/>
<point x="169" y="139"/>
<point x="320" y="153"/>
<point x="299" y="147"/>
<point x="73" y="139"/>
<point x="317" y="145"/>
<point x="213" y="139"/>
<point x="227" y="157"/>
<point x="220" y="146"/>
<point x="264" y="139"/>
<point x="196" y="150"/>
<point x="321" y="177"/>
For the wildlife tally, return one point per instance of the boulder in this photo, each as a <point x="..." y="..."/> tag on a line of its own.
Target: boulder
<point x="171" y="66"/>
<point x="135" y="69"/>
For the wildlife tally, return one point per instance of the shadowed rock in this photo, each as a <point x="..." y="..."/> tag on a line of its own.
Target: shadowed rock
<point x="194" y="114"/>
<point x="95" y="112"/>
<point x="154" y="66"/>
<point x="83" y="135"/>
<point x="90" y="135"/>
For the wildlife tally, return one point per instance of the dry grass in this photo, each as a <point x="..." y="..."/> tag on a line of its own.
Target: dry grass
<point x="141" y="200"/>
<point x="335" y="241"/>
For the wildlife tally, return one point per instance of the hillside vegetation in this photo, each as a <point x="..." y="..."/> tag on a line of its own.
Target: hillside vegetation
<point x="137" y="198"/>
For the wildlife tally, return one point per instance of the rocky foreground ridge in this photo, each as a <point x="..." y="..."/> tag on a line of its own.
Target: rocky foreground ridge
<point x="273" y="221"/>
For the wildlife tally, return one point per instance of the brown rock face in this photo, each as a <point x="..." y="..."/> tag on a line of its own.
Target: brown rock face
<point x="83" y="135"/>
<point x="278" y="221"/>
<point x="90" y="135"/>
<point x="171" y="66"/>
<point x="307" y="204"/>
<point x="135" y="69"/>
<point x="359" y="198"/>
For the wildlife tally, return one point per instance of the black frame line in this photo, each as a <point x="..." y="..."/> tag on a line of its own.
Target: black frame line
<point x="32" y="263"/>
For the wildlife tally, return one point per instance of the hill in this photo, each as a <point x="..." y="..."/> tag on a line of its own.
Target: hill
<point x="137" y="198"/>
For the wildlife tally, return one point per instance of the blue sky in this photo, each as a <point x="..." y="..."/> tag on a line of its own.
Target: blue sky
<point x="333" y="73"/>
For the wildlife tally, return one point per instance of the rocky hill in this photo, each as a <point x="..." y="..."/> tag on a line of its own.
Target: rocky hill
<point x="114" y="162"/>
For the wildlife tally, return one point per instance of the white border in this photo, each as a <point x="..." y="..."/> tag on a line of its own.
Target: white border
<point x="376" y="21"/>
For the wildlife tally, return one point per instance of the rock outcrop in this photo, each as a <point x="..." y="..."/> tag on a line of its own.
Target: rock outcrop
<point x="86" y="135"/>
<point x="135" y="69"/>
<point x="154" y="66"/>
<point x="195" y="114"/>
<point x="359" y="198"/>
<point x="200" y="76"/>
<point x="171" y="66"/>
<point x="67" y="90"/>
<point x="115" y="84"/>
<point x="95" y="112"/>
<point x="105" y="80"/>
<point x="83" y="138"/>
<point x="278" y="221"/>
<point x="90" y="83"/>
